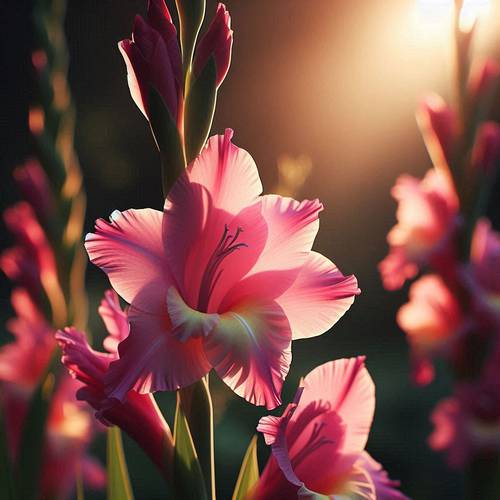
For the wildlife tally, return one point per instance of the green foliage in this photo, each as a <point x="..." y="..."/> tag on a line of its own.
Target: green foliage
<point x="188" y="476"/>
<point x="119" y="487"/>
<point x="200" y="109"/>
<point x="249" y="472"/>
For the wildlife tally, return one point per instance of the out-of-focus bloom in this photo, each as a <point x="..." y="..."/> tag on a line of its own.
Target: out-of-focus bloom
<point x="427" y="217"/>
<point x="484" y="77"/>
<point x="292" y="173"/>
<point x="31" y="262"/>
<point x="153" y="59"/>
<point x="432" y="320"/>
<point x="318" y="444"/>
<point x="468" y="424"/>
<point x="486" y="152"/>
<point x="138" y="415"/>
<point x="482" y="275"/>
<point x="437" y="124"/>
<point x="223" y="278"/>
<point x="34" y="185"/>
<point x="22" y="365"/>
<point x="217" y="42"/>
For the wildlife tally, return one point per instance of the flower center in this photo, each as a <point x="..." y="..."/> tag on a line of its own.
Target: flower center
<point x="316" y="441"/>
<point x="226" y="246"/>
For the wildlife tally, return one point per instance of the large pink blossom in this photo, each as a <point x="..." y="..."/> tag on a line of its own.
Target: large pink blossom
<point x="427" y="217"/>
<point x="138" y="415"/>
<point x="223" y="278"/>
<point x="318" y="444"/>
<point x="432" y="321"/>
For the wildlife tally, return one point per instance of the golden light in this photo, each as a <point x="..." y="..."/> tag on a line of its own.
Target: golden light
<point x="436" y="13"/>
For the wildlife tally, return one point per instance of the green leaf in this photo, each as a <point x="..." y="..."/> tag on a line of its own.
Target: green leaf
<point x="199" y="109"/>
<point x="33" y="440"/>
<point x="7" y="489"/>
<point x="188" y="476"/>
<point x="191" y="15"/>
<point x="119" y="487"/>
<point x="249" y="472"/>
<point x="196" y="403"/>
<point x="167" y="139"/>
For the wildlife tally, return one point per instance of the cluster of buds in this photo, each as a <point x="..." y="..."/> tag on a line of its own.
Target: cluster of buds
<point x="442" y="230"/>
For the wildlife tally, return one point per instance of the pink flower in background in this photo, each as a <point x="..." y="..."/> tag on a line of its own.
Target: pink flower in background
<point x="34" y="186"/>
<point x="427" y="217"/>
<point x="153" y="59"/>
<point x="224" y="278"/>
<point x="432" y="321"/>
<point x="484" y="77"/>
<point x="138" y="415"/>
<point x="217" y="42"/>
<point x="31" y="261"/>
<point x="486" y="152"/>
<point x="318" y="444"/>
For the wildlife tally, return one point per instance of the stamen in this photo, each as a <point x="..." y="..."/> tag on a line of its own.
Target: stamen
<point x="226" y="246"/>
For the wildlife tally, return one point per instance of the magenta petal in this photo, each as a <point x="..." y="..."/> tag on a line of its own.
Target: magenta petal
<point x="114" y="319"/>
<point x="126" y="50"/>
<point x="250" y="350"/>
<point x="153" y="359"/>
<point x="318" y="298"/>
<point x="129" y="250"/>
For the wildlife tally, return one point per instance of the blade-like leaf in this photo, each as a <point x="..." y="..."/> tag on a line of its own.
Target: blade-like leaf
<point x="200" y="109"/>
<point x="167" y="139"/>
<point x="188" y="477"/>
<point x="119" y="487"/>
<point x="7" y="489"/>
<point x="196" y="404"/>
<point x="191" y="15"/>
<point x="33" y="439"/>
<point x="249" y="472"/>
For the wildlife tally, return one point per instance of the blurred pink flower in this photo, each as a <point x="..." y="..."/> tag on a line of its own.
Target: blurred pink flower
<point x="486" y="152"/>
<point x="427" y="217"/>
<point x="153" y="59"/>
<point x="216" y="42"/>
<point x="437" y="124"/>
<point x="31" y="261"/>
<point x="432" y="321"/>
<point x="484" y="77"/>
<point x="223" y="278"/>
<point x="318" y="444"/>
<point x="138" y="415"/>
<point x="34" y="185"/>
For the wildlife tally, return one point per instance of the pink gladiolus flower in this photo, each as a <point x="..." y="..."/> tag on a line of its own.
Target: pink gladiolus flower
<point x="217" y="42"/>
<point x="437" y="124"/>
<point x="432" y="321"/>
<point x="318" y="444"/>
<point x="153" y="59"/>
<point x="427" y="217"/>
<point x="138" y="415"/>
<point x="34" y="185"/>
<point x="486" y="152"/>
<point x="484" y="77"/>
<point x="224" y="278"/>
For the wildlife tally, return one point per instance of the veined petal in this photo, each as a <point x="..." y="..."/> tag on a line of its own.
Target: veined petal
<point x="250" y="350"/>
<point x="318" y="298"/>
<point x="153" y="359"/>
<point x="115" y="320"/>
<point x="129" y="250"/>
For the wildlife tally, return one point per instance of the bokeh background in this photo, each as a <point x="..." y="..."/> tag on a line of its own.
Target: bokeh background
<point x="335" y="80"/>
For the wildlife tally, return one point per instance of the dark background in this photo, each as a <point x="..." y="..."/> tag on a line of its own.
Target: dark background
<point x="336" y="80"/>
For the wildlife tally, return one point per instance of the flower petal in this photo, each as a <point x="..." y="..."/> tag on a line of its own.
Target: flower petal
<point x="114" y="319"/>
<point x="129" y="250"/>
<point x="318" y="298"/>
<point x="250" y="350"/>
<point x="153" y="359"/>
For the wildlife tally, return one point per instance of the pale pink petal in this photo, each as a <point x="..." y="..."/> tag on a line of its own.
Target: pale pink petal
<point x="153" y="359"/>
<point x="126" y="48"/>
<point x="129" y="250"/>
<point x="385" y="488"/>
<point x="115" y="320"/>
<point x="250" y="350"/>
<point x="318" y="298"/>
<point x="346" y="386"/>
